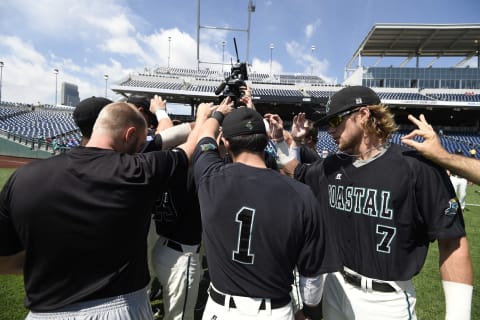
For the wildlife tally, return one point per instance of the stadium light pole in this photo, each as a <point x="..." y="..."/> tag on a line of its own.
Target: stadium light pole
<point x="223" y="54"/>
<point x="1" y="79"/>
<point x="169" y="42"/>
<point x="106" y="81"/>
<point x="478" y="54"/>
<point x="311" y="70"/>
<point x="271" y="56"/>
<point x="55" y="72"/>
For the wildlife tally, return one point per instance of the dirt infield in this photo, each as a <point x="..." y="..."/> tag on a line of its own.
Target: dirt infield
<point x="13" y="162"/>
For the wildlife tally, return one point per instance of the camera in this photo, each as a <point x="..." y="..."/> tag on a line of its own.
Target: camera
<point x="230" y="87"/>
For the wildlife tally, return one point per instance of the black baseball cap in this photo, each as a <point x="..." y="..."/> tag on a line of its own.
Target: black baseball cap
<point x="87" y="112"/>
<point x="142" y="102"/>
<point x="349" y="98"/>
<point x="243" y="121"/>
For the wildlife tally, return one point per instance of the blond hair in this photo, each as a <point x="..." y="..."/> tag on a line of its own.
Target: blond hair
<point x="381" y="122"/>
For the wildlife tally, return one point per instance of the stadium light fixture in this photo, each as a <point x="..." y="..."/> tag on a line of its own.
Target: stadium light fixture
<point x="55" y="72"/>
<point x="223" y="54"/>
<point x="1" y="79"/>
<point x="271" y="56"/>
<point x="169" y="42"/>
<point x="478" y="53"/>
<point x="106" y="82"/>
<point x="313" y="49"/>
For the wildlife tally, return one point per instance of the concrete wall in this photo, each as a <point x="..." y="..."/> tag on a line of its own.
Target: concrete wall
<point x="16" y="149"/>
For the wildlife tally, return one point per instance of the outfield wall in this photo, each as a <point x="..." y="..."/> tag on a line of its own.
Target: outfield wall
<point x="15" y="149"/>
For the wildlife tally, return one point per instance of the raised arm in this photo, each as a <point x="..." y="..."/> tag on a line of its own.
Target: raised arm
<point x="211" y="126"/>
<point x="203" y="112"/>
<point x="432" y="149"/>
<point x="158" y="107"/>
<point x="286" y="157"/>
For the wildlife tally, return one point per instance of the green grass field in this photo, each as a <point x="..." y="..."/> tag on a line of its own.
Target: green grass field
<point x="430" y="300"/>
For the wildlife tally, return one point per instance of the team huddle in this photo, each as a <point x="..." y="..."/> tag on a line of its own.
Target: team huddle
<point x="287" y="234"/>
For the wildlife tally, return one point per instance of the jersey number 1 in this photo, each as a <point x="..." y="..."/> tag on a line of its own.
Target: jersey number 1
<point x="245" y="218"/>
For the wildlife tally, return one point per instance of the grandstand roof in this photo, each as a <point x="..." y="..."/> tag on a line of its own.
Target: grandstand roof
<point x="409" y="40"/>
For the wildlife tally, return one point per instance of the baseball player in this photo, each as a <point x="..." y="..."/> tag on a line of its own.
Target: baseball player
<point x="84" y="232"/>
<point x="304" y="140"/>
<point x="164" y="136"/>
<point x="386" y="203"/>
<point x="257" y="224"/>
<point x="176" y="257"/>
<point x="85" y="114"/>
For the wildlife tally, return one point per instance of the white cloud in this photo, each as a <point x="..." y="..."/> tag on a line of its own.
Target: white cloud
<point x="183" y="48"/>
<point x="93" y="44"/>
<point x="122" y="45"/>
<point x="21" y="50"/>
<point x="118" y="25"/>
<point x="261" y="66"/>
<point x="311" y="28"/>
<point x="28" y="74"/>
<point x="304" y="58"/>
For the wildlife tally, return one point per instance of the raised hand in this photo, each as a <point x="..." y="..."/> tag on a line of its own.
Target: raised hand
<point x="431" y="147"/>
<point x="299" y="126"/>
<point x="276" y="125"/>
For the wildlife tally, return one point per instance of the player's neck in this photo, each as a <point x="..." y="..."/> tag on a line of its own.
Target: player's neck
<point x="101" y="141"/>
<point x="369" y="148"/>
<point x="250" y="159"/>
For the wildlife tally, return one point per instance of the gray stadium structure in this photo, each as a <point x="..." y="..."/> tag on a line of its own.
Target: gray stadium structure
<point x="452" y="93"/>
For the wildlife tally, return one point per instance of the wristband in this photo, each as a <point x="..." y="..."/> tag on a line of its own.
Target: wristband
<point x="161" y="114"/>
<point x="284" y="154"/>
<point x="311" y="289"/>
<point x="217" y="115"/>
<point x="458" y="300"/>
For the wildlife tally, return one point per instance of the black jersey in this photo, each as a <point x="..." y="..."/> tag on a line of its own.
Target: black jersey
<point x="177" y="211"/>
<point x="154" y="142"/>
<point x="258" y="225"/>
<point x="83" y="219"/>
<point x="307" y="154"/>
<point x="385" y="212"/>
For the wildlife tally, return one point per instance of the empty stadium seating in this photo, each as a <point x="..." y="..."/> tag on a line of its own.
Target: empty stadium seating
<point x="460" y="97"/>
<point x="39" y="127"/>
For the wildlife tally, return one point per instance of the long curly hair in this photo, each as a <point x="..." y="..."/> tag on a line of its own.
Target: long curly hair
<point x="381" y="122"/>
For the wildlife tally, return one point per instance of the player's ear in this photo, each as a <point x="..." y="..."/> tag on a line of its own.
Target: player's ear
<point x="129" y="133"/>
<point x="225" y="143"/>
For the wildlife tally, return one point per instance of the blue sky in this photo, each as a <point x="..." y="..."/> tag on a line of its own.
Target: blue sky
<point x="86" y="39"/>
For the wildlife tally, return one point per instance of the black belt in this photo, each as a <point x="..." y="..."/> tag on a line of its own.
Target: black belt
<point x="357" y="282"/>
<point x="220" y="299"/>
<point x="177" y="246"/>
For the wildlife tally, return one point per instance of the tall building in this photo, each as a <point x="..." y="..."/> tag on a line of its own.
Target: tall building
<point x="69" y="95"/>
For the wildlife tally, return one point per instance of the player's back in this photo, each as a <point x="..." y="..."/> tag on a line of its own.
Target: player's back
<point x="258" y="224"/>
